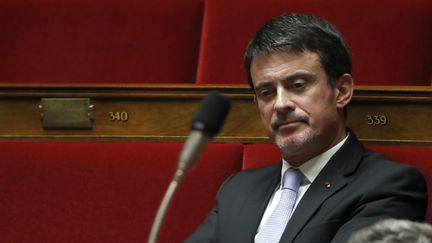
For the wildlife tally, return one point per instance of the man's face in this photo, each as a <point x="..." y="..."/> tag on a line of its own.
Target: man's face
<point x="297" y="105"/>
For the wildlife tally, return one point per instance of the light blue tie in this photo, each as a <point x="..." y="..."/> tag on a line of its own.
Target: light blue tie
<point x="272" y="230"/>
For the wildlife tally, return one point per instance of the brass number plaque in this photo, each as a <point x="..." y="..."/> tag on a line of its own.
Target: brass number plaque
<point x="376" y="120"/>
<point x="122" y="116"/>
<point x="66" y="113"/>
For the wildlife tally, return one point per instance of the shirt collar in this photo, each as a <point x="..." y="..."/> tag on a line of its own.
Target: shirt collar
<point x="313" y="167"/>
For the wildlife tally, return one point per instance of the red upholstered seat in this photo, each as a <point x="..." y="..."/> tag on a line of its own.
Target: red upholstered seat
<point x="389" y="40"/>
<point x="256" y="155"/>
<point x="103" y="191"/>
<point x="100" y="41"/>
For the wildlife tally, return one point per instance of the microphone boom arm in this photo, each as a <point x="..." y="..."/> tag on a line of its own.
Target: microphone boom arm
<point x="207" y="122"/>
<point x="189" y="155"/>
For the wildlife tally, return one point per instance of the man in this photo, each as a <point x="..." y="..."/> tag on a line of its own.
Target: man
<point x="394" y="231"/>
<point x="300" y="70"/>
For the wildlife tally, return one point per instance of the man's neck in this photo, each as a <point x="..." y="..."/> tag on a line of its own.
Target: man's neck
<point x="313" y="151"/>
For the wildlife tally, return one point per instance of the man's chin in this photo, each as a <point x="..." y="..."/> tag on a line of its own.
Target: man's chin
<point x="292" y="141"/>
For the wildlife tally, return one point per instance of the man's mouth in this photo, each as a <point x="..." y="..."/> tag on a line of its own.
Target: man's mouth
<point x="286" y="125"/>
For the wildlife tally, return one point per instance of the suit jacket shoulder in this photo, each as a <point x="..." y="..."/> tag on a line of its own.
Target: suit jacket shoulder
<point x="357" y="187"/>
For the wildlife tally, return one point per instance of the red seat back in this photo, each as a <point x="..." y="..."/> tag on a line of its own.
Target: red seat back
<point x="389" y="40"/>
<point x="258" y="155"/>
<point x="104" y="191"/>
<point x="101" y="41"/>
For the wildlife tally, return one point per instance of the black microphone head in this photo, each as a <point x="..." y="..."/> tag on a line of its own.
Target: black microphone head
<point x="211" y="114"/>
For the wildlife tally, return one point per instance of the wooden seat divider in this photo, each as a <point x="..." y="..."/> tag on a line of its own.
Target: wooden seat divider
<point x="378" y="114"/>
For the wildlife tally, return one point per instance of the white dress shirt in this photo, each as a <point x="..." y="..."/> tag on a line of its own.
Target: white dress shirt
<point x="310" y="170"/>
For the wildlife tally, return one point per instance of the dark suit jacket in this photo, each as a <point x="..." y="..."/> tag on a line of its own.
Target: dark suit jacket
<point x="365" y="187"/>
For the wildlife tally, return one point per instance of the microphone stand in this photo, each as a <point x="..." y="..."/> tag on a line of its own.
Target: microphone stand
<point x="166" y="201"/>
<point x="207" y="122"/>
<point x="192" y="149"/>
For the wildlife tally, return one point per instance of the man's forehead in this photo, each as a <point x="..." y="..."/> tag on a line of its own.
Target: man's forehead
<point x="277" y="63"/>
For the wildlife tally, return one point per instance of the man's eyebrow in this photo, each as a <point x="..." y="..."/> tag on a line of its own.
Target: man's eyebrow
<point x="263" y="83"/>
<point x="300" y="75"/>
<point x="303" y="74"/>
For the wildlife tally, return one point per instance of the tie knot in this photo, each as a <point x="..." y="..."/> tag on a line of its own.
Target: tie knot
<point x="292" y="179"/>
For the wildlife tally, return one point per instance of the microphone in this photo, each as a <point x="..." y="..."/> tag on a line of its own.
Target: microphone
<point x="207" y="122"/>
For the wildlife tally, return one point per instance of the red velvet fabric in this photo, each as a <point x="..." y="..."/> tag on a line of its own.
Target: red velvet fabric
<point x="99" y="41"/>
<point x="196" y="197"/>
<point x="389" y="40"/>
<point x="103" y="191"/>
<point x="257" y="155"/>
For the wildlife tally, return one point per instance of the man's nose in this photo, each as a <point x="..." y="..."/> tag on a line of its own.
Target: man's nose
<point x="283" y="101"/>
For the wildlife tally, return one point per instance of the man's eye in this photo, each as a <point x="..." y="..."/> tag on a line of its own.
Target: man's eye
<point x="264" y="92"/>
<point x="298" y="84"/>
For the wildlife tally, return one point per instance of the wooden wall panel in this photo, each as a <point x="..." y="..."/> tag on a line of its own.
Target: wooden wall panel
<point x="164" y="112"/>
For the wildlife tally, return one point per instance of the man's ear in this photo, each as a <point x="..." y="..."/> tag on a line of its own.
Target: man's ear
<point x="254" y="98"/>
<point x="344" y="90"/>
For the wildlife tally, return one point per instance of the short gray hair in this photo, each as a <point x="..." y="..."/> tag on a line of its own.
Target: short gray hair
<point x="297" y="33"/>
<point x="394" y="231"/>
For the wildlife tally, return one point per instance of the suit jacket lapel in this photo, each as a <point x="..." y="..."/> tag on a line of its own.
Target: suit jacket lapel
<point x="310" y="202"/>
<point x="343" y="162"/>
<point x="255" y="205"/>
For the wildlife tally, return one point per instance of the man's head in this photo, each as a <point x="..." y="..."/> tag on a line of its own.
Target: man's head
<point x="302" y="84"/>
<point x="298" y="33"/>
<point x="393" y="231"/>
